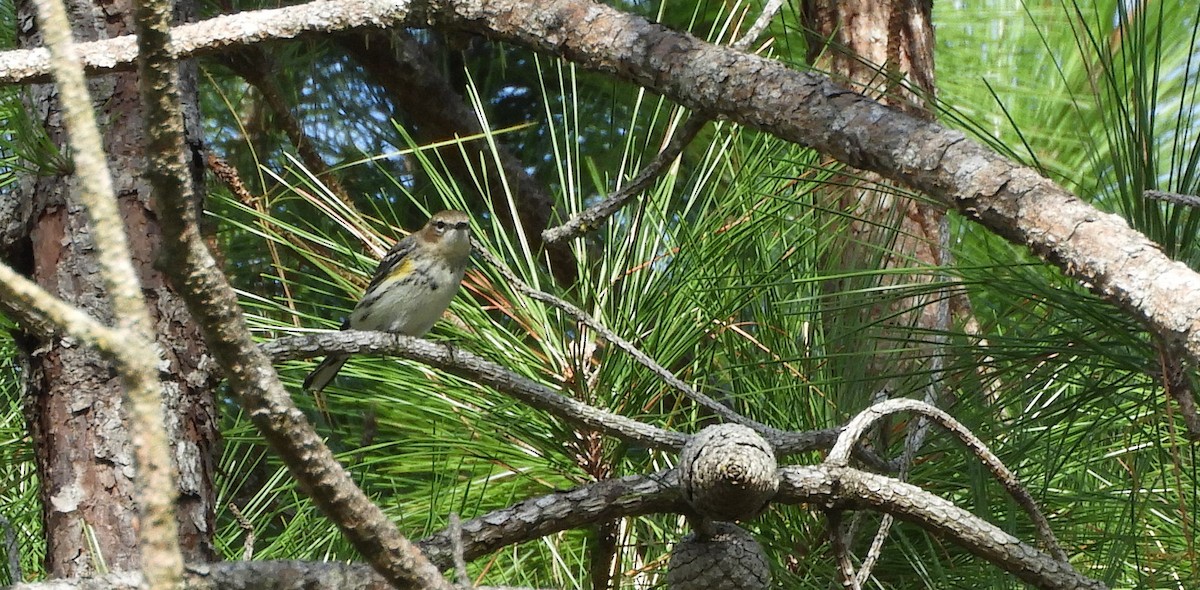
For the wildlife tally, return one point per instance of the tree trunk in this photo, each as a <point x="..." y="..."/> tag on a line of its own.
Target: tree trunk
<point x="884" y="49"/>
<point x="74" y="398"/>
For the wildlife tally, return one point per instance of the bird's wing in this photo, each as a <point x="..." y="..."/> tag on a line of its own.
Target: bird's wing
<point x="393" y="259"/>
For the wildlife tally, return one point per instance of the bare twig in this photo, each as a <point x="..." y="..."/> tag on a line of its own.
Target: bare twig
<point x="819" y="485"/>
<point x="760" y="24"/>
<point x="40" y="311"/>
<point x="593" y="216"/>
<point x="245" y="525"/>
<point x="839" y="542"/>
<point x="859" y="425"/>
<point x="456" y="549"/>
<point x="1170" y="197"/>
<point x="917" y="431"/>
<point x="875" y="551"/>
<point x="587" y="504"/>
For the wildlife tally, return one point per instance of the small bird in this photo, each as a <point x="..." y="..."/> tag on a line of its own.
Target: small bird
<point x="412" y="286"/>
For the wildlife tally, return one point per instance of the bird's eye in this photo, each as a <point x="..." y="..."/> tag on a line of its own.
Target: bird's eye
<point x="441" y="226"/>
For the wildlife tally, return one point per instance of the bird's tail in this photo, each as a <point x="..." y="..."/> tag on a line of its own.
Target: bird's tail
<point x="325" y="372"/>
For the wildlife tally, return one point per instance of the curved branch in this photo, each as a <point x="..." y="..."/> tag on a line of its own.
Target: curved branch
<point x="846" y="488"/>
<point x="840" y="455"/>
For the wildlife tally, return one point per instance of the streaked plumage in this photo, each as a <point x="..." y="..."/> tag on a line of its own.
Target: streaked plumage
<point x="412" y="286"/>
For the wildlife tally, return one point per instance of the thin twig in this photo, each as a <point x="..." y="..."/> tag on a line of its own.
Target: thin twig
<point x="38" y="310"/>
<point x="1170" y="197"/>
<point x="876" y="549"/>
<point x="840" y="456"/>
<point x="245" y="525"/>
<point x="456" y="548"/>
<point x="538" y="396"/>
<point x="593" y="216"/>
<point x="839" y="542"/>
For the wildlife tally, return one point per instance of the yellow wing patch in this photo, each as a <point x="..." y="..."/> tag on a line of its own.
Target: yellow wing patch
<point x="398" y="273"/>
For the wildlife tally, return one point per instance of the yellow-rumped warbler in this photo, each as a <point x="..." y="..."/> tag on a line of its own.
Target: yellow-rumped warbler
<point x="411" y="288"/>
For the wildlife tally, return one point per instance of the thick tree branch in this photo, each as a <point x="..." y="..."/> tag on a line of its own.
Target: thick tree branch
<point x="214" y="304"/>
<point x="137" y="358"/>
<point x="1099" y="249"/>
<point x="27" y="66"/>
<point x="824" y="485"/>
<point x="534" y="518"/>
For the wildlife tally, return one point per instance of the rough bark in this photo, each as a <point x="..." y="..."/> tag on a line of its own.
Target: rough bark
<point x="883" y="49"/>
<point x="820" y="485"/>
<point x="74" y="406"/>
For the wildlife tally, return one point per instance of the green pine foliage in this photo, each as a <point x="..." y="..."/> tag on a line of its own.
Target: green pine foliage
<point x="721" y="272"/>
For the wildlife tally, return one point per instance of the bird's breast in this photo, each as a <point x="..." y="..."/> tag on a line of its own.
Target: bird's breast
<point x="408" y="302"/>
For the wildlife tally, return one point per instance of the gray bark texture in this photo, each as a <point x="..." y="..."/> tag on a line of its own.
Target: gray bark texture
<point x="74" y="407"/>
<point x="727" y="472"/>
<point x="1097" y="248"/>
